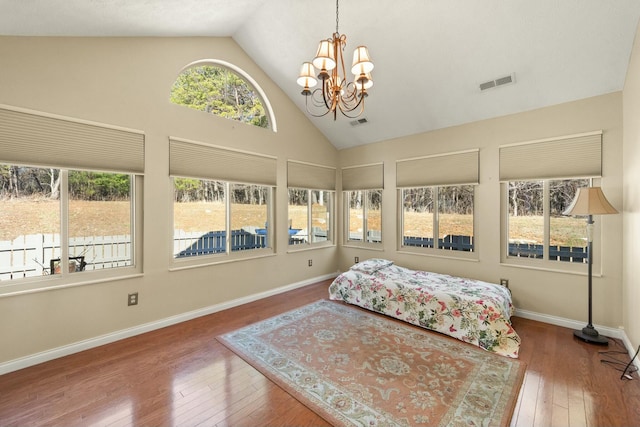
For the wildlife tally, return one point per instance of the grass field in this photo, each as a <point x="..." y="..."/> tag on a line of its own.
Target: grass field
<point x="86" y="218"/>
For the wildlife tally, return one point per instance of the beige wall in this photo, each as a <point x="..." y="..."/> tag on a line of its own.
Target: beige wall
<point x="126" y="82"/>
<point x="631" y="171"/>
<point x="554" y="294"/>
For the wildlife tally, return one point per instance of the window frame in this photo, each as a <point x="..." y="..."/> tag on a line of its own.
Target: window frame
<point x="545" y="263"/>
<point x="70" y="279"/>
<point x="271" y="117"/>
<point x="309" y="244"/>
<point x="436" y="251"/>
<point x="178" y="263"/>
<point x="364" y="243"/>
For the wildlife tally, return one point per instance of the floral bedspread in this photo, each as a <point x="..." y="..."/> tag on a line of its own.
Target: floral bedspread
<point x="470" y="310"/>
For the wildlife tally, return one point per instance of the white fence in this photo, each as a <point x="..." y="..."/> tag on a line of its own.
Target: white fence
<point x="34" y="254"/>
<point x="183" y="240"/>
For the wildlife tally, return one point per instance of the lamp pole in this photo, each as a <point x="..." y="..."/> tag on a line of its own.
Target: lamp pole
<point x="590" y="201"/>
<point x="589" y="333"/>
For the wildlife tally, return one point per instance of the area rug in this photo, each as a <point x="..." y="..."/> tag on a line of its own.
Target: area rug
<point x="357" y="368"/>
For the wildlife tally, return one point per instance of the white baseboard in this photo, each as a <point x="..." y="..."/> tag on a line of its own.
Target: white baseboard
<point x="568" y="323"/>
<point x="574" y="324"/>
<point x="34" y="359"/>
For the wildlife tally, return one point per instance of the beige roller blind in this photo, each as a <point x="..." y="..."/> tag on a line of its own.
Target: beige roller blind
<point x="40" y="139"/>
<point x="442" y="169"/>
<point x="364" y="177"/>
<point x="198" y="160"/>
<point x="565" y="157"/>
<point x="307" y="175"/>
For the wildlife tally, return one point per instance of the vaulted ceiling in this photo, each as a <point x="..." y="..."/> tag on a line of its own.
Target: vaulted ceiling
<point x="430" y="56"/>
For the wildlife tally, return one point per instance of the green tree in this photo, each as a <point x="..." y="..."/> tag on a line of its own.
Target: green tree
<point x="85" y="185"/>
<point x="186" y="189"/>
<point x="219" y="91"/>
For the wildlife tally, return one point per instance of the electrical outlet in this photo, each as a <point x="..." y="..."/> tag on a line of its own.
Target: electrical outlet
<point x="310" y="263"/>
<point x="357" y="259"/>
<point x="504" y="282"/>
<point x="132" y="299"/>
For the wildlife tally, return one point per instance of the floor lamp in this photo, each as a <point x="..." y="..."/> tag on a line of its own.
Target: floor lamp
<point x="590" y="201"/>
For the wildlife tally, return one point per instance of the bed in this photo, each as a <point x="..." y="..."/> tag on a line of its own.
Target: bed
<point x="472" y="311"/>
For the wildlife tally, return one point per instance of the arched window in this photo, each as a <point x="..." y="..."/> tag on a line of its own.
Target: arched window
<point x="222" y="89"/>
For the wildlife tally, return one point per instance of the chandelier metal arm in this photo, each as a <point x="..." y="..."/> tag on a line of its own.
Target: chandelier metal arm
<point x="320" y="100"/>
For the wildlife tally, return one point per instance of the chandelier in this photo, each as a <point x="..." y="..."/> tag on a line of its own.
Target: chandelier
<point x="336" y="92"/>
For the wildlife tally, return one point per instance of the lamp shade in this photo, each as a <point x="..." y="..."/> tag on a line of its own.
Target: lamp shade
<point x="590" y="201"/>
<point x="307" y="76"/>
<point x="361" y="61"/>
<point x="368" y="83"/>
<point x="325" y="57"/>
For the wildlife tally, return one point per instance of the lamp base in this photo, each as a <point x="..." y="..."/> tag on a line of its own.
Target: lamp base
<point x="591" y="335"/>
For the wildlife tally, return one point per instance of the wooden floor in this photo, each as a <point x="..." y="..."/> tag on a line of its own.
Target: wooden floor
<point x="182" y="376"/>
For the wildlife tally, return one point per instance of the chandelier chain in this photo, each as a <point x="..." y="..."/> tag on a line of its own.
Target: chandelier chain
<point x="337" y="19"/>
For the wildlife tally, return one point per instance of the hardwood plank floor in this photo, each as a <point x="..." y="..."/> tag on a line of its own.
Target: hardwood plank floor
<point x="181" y="376"/>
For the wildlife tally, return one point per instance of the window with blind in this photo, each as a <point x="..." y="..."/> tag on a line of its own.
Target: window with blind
<point x="437" y="202"/>
<point x="70" y="196"/>
<point x="539" y="181"/>
<point x="362" y="187"/>
<point x="311" y="190"/>
<point x="222" y="203"/>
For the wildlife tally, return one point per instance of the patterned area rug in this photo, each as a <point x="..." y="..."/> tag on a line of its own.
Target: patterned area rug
<point x="357" y="368"/>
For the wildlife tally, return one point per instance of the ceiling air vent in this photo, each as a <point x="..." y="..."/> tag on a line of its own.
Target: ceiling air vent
<point x="359" y="121"/>
<point x="511" y="78"/>
<point x="487" y="85"/>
